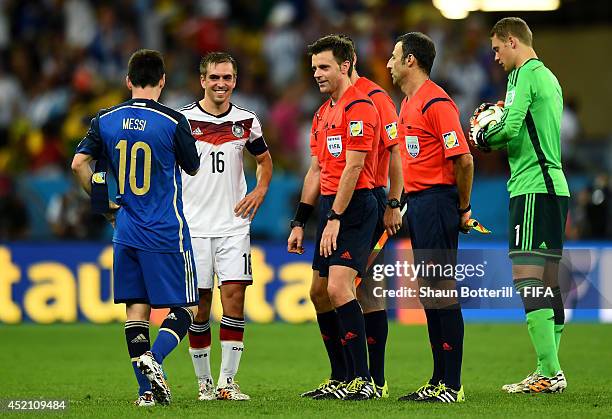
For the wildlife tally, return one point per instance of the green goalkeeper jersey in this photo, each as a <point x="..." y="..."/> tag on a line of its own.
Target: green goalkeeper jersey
<point x="530" y="130"/>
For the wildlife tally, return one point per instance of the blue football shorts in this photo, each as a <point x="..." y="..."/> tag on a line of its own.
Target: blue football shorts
<point x="161" y="280"/>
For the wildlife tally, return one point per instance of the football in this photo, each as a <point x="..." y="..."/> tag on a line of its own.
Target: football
<point x="489" y="116"/>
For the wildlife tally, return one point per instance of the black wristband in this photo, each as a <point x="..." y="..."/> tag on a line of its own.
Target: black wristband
<point x="303" y="212"/>
<point x="296" y="223"/>
<point x="464" y="210"/>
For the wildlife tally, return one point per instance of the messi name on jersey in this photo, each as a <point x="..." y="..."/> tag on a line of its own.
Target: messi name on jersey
<point x="133" y="123"/>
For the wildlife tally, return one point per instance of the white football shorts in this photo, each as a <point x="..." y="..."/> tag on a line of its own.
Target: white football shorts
<point x="229" y="258"/>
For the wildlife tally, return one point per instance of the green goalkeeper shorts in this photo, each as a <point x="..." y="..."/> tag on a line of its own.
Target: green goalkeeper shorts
<point x="537" y="225"/>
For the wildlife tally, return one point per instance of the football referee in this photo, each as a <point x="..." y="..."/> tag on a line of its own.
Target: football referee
<point x="343" y="142"/>
<point x="438" y="171"/>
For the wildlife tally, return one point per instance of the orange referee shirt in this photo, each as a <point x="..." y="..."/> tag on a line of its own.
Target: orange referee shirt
<point x="351" y="124"/>
<point x="388" y="126"/>
<point x="430" y="128"/>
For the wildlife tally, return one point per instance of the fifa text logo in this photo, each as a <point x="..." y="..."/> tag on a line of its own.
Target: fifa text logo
<point x="536" y="292"/>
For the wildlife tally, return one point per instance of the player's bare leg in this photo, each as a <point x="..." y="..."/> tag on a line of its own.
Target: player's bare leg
<point x="137" y="338"/>
<point x="330" y="333"/>
<point x="231" y="335"/>
<point x="341" y="291"/>
<point x="318" y="293"/>
<point x="199" y="346"/>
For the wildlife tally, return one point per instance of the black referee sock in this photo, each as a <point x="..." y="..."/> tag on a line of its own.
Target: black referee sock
<point x="348" y="359"/>
<point x="377" y="330"/>
<point x="351" y="319"/>
<point x="330" y="332"/>
<point x="451" y="322"/>
<point x="435" y="340"/>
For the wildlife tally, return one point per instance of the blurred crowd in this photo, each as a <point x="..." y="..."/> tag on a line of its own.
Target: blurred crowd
<point x="63" y="60"/>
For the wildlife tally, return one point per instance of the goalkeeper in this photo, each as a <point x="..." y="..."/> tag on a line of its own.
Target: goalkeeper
<point x="529" y="130"/>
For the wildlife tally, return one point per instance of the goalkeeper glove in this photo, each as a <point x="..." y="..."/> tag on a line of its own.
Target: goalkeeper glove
<point x="477" y="136"/>
<point x="479" y="123"/>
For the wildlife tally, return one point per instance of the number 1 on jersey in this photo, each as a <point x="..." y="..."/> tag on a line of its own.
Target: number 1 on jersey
<point x="517" y="229"/>
<point x="146" y="175"/>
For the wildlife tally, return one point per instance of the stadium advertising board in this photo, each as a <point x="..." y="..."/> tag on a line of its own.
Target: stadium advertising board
<point x="69" y="282"/>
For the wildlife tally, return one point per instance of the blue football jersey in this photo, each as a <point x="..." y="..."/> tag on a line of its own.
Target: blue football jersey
<point x="146" y="145"/>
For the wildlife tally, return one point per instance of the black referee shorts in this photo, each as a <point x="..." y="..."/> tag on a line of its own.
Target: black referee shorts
<point x="381" y="206"/>
<point x="433" y="222"/>
<point x="356" y="229"/>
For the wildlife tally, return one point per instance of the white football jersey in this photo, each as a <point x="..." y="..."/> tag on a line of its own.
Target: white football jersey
<point x="209" y="197"/>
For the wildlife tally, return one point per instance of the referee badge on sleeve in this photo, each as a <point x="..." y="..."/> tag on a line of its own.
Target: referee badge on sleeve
<point x="356" y="128"/>
<point x="391" y="130"/>
<point x="450" y="140"/>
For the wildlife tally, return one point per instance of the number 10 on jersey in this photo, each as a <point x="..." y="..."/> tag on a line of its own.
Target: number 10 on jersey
<point x="122" y="146"/>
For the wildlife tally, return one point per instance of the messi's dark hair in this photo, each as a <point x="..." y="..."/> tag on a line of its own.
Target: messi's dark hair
<point x="146" y="68"/>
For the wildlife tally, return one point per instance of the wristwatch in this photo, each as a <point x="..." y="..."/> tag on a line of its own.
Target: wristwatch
<point x="393" y="203"/>
<point x="296" y="223"/>
<point x="332" y="215"/>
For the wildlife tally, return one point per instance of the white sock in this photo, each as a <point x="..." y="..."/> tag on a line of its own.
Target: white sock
<point x="201" y="362"/>
<point x="231" y="351"/>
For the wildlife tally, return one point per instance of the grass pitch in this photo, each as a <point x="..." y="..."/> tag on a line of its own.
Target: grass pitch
<point x="89" y="366"/>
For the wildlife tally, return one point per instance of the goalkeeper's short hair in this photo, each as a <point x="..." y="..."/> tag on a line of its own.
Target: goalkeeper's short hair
<point x="514" y="26"/>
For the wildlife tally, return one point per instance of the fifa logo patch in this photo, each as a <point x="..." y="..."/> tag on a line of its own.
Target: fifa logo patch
<point x="509" y="98"/>
<point x="237" y="130"/>
<point x="412" y="145"/>
<point x="334" y="145"/>
<point x="356" y="128"/>
<point x="99" y="178"/>
<point x="391" y="130"/>
<point x="450" y="140"/>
